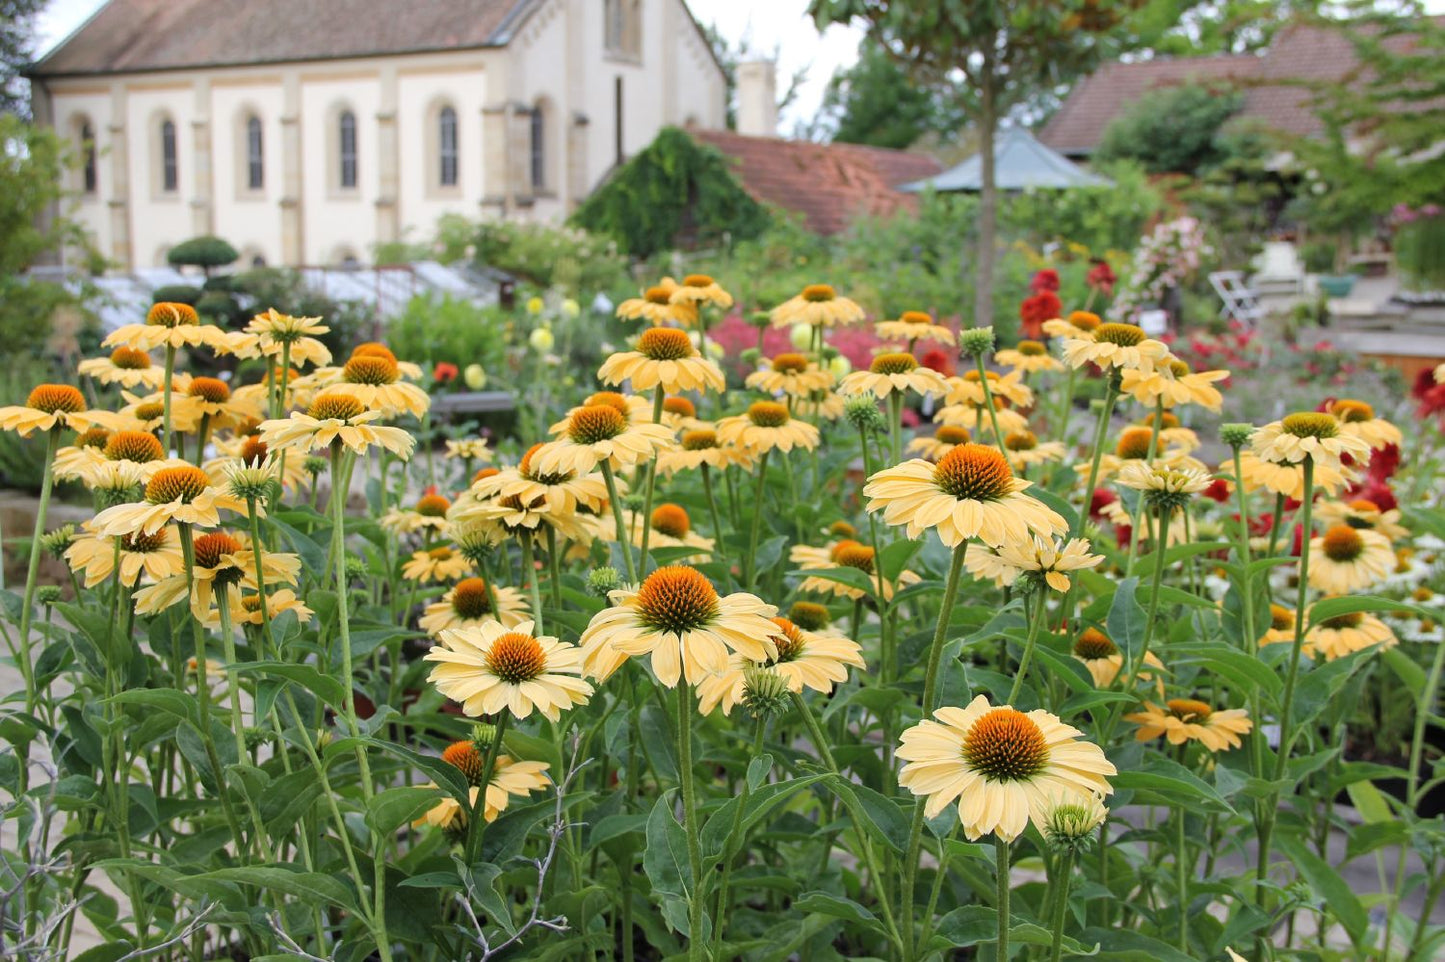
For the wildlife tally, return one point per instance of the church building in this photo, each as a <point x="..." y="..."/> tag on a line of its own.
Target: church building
<point x="306" y="133"/>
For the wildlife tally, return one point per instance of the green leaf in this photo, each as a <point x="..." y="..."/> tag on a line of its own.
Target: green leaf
<point x="168" y="700"/>
<point x="1065" y="510"/>
<point x="1406" y="669"/>
<point x="1125" y="622"/>
<point x="328" y="689"/>
<point x="1339" y="899"/>
<point x="1242" y="669"/>
<point x="893" y="558"/>
<point x="758" y="770"/>
<point x="1171" y="783"/>
<point x="822" y="903"/>
<point x="665" y="860"/>
<point x="872" y="811"/>
<point x="1370" y="802"/>
<point x="312" y="888"/>
<point x="1322" y="611"/>
<point x="1123" y="945"/>
<point x="852" y="577"/>
<point x="393" y="808"/>
<point x="758" y="805"/>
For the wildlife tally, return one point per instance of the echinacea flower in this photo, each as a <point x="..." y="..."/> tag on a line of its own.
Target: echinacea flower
<point x="1027" y="357"/>
<point x="1116" y="346"/>
<point x="488" y="669"/>
<point x="1346" y="634"/>
<point x="1049" y="558"/>
<point x="168" y="324"/>
<point x="698" y="289"/>
<point x="699" y="446"/>
<point x="1309" y="434"/>
<point x="1187" y="719"/>
<point x="181" y="494"/>
<point x="429" y="514"/>
<point x="469" y="604"/>
<point x="472" y="449"/>
<point x="1079" y="324"/>
<point x="805" y="660"/>
<point x="970" y="493"/>
<point x="1162" y="485"/>
<point x="1357" y="419"/>
<point x="275" y="333"/>
<point x="671" y="528"/>
<point x="791" y="374"/>
<point x="656" y="306"/>
<point x="1024" y="449"/>
<point x="509" y="778"/>
<point x="845" y="553"/>
<point x="437" y="564"/>
<point x="562" y="490"/>
<point x="677" y="618"/>
<point x="222" y="559"/>
<point x="599" y="433"/>
<point x="818" y="305"/>
<point x="125" y="366"/>
<point x="335" y="417"/>
<point x="376" y="382"/>
<point x="155" y="556"/>
<point x="1345" y="560"/>
<point x="890" y="373"/>
<point x="663" y="356"/>
<point x="1363" y="514"/>
<point x="971" y="416"/>
<point x="765" y="426"/>
<point x="945" y="438"/>
<point x="914" y="326"/>
<point x="51" y="405"/>
<point x="1174" y="384"/>
<point x="1281" y="626"/>
<point x="1104" y="660"/>
<point x="968" y="388"/>
<point x="1004" y="767"/>
<point x="1287" y="479"/>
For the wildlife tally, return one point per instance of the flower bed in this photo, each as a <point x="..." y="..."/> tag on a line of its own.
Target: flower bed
<point x="724" y="667"/>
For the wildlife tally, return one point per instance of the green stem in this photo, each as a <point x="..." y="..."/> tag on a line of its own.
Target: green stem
<point x="47" y="482"/>
<point x="529" y="566"/>
<point x="731" y="847"/>
<point x="695" y="942"/>
<point x="476" y="822"/>
<point x="1061" y="904"/>
<point x="554" y="566"/>
<point x="988" y="402"/>
<point x="895" y="426"/>
<point x="749" y="574"/>
<point x="657" y="398"/>
<point x="1028" y="654"/>
<point x="624" y="536"/>
<point x="1001" y="851"/>
<point x="166" y="398"/>
<point x="1181" y="869"/>
<point x="717" y="527"/>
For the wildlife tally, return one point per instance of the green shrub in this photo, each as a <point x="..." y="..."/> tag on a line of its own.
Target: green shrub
<point x="176" y="293"/>
<point x="434" y="329"/>
<point x="1172" y="130"/>
<point x="282" y="288"/>
<point x="566" y="258"/>
<point x="205" y="252"/>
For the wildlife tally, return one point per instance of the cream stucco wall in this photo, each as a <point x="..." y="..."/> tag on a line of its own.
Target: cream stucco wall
<point x="556" y="59"/>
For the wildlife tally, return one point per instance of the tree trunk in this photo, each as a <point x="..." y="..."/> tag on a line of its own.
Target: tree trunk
<point x="987" y="198"/>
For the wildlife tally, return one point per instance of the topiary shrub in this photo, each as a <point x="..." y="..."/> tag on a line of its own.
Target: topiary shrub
<point x="205" y="252"/>
<point x="176" y="294"/>
<point x="677" y="193"/>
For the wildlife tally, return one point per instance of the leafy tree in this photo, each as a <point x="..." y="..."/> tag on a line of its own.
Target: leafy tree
<point x="205" y="252"/>
<point x="1172" y="130"/>
<point x="875" y="102"/>
<point x="17" y="44"/>
<point x="1192" y="28"/>
<point x="675" y="193"/>
<point x="998" y="54"/>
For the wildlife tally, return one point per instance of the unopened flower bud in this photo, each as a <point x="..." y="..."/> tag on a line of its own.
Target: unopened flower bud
<point x="1069" y="826"/>
<point x="862" y="412"/>
<point x="482" y="736"/>
<point x="58" y="540"/>
<point x="760" y="319"/>
<point x="47" y="594"/>
<point x="1235" y="435"/>
<point x="314" y="466"/>
<point x="976" y="341"/>
<point x="765" y="692"/>
<point x="601" y="581"/>
<point x="750" y="356"/>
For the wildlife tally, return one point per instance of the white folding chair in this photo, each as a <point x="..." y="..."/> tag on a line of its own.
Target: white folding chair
<point x="1241" y="303"/>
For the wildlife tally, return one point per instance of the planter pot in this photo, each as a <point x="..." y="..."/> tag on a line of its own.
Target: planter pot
<point x="1337" y="285"/>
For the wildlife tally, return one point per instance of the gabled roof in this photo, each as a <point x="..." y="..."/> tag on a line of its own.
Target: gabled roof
<point x="131" y="36"/>
<point x="1020" y="163"/>
<point x="828" y="184"/>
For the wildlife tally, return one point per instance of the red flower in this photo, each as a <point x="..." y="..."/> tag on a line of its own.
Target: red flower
<point x="1123" y="535"/>
<point x="1385" y="462"/>
<point x="1045" y="280"/>
<point x="1433" y="401"/>
<point x="1101" y="277"/>
<point x="1102" y="498"/>
<point x="1043" y="306"/>
<point x="1217" y="490"/>
<point x="444" y="373"/>
<point x="938" y="361"/>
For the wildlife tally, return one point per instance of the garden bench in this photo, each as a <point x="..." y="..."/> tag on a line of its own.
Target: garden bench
<point x="472" y="402"/>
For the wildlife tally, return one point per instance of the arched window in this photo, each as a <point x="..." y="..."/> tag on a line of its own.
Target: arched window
<point x="255" y="156"/>
<point x="170" y="162"/>
<point x="347" y="152"/>
<point x="539" y="147"/>
<point x="88" y="178"/>
<point x="447" y="152"/>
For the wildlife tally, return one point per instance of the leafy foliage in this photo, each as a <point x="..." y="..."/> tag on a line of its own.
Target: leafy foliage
<point x="1172" y="130"/>
<point x="875" y="102"/>
<point x="675" y="193"/>
<point x="205" y="252"/>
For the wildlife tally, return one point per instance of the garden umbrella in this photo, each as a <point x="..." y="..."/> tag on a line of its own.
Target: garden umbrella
<point x="1021" y="162"/>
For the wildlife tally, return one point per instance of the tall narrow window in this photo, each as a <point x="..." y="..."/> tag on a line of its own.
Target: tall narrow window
<point x="87" y="157"/>
<point x="255" y="160"/>
<point x="170" y="165"/>
<point x="447" y="147"/>
<point x="539" y="147"/>
<point x="348" y="149"/>
<point x="612" y="25"/>
<point x="617" y="119"/>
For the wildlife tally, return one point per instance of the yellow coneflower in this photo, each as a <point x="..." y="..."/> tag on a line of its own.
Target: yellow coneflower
<point x="915" y="326"/>
<point x="680" y="414"/>
<point x="1004" y="767"/>
<point x="488" y="669"/>
<point x="818" y="305"/>
<point x="212" y="398"/>
<point x="1102" y="657"/>
<point x="677" y="618"/>
<point x="1174" y="384"/>
<point x="663" y="356"/>
<point x="428" y="514"/>
<point x="49" y="405"/>
<point x="87" y="450"/>
<point x="1027" y="357"/>
<point x="766" y="426"/>
<point x="699" y="446"/>
<point x="970" y="493"/>
<point x="600" y="433"/>
<point x="1345" y="560"/>
<point x="376" y="382"/>
<point x="1164" y="479"/>
<point x="122" y="452"/>
<point x="1359" y="513"/>
<point x="791" y="374"/>
<point x="563" y="490"/>
<point x="1079" y="324"/>
<point x="272" y="333"/>
<point x="1281" y="626"/>
<point x="1172" y="433"/>
<point x="469" y="604"/>
<point x="1357" y="419"/>
<point x="410" y="371"/>
<point x="845" y="553"/>
<point x="805" y="660"/>
<point x="1187" y="719"/>
<point x="671" y="528"/>
<point x="246" y="608"/>
<point x="945" y="439"/>
<point x="1346" y="634"/>
<point x="471" y="449"/>
<point x="970" y="416"/>
<point x="1307" y="433"/>
<point x="656" y="306"/>
<point x="698" y="289"/>
<point x="125" y="366"/>
<point x="182" y="494"/>
<point x="1287" y="479"/>
<point x="968" y="389"/>
<point x="335" y="417"/>
<point x="167" y="324"/>
<point x="894" y="373"/>
<point x="1049" y="558"/>
<point x="1116" y="346"/>
<point x="435" y="564"/>
<point x="155" y="556"/>
<point x="222" y="559"/>
<point x="509" y="778"/>
<point x="633" y="407"/>
<point x="1024" y="449"/>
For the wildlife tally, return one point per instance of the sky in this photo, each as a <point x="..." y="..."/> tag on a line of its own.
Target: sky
<point x="767" y="26"/>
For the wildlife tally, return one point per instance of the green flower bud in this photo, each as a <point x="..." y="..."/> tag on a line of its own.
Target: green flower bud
<point x="765" y="692"/>
<point x="1235" y="435"/>
<point x="601" y="581"/>
<point x="58" y="540"/>
<point x="47" y="594"/>
<point x="862" y="412"/>
<point x="976" y="341"/>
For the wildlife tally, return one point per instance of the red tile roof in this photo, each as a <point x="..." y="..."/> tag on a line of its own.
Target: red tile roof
<point x="828" y="184"/>
<point x="127" y="36"/>
<point x="1274" y="82"/>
